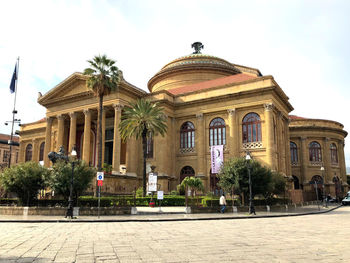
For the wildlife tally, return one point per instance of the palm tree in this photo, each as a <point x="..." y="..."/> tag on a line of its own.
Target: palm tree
<point x="142" y="119"/>
<point x="194" y="183"/>
<point x="103" y="79"/>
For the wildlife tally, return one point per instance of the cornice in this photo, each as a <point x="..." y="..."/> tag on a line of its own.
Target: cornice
<point x="318" y="128"/>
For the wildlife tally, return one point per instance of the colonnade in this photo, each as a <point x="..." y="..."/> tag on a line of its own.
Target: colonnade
<point x="72" y="139"/>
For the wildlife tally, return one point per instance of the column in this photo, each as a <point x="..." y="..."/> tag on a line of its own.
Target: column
<point x="47" y="141"/>
<point x="287" y="149"/>
<point x="342" y="161"/>
<point x="35" y="152"/>
<point x="116" y="139"/>
<point x="103" y="133"/>
<point x="269" y="135"/>
<point x="162" y="153"/>
<point x="131" y="156"/>
<point x="60" y="131"/>
<point x="72" y="131"/>
<point x="87" y="136"/>
<point x="326" y="160"/>
<point x="304" y="160"/>
<point x="200" y="145"/>
<point x="233" y="133"/>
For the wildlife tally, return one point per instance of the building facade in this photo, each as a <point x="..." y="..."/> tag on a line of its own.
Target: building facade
<point x="207" y="101"/>
<point x="5" y="150"/>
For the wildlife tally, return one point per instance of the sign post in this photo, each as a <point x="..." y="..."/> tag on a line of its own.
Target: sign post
<point x="100" y="177"/>
<point x="160" y="196"/>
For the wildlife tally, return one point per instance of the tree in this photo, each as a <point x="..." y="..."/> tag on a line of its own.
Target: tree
<point x="234" y="175"/>
<point x="61" y="179"/>
<point x="193" y="183"/>
<point x="25" y="179"/>
<point x="104" y="77"/>
<point x="142" y="119"/>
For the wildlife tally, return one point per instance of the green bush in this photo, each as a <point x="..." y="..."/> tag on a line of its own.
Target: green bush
<point x="8" y="201"/>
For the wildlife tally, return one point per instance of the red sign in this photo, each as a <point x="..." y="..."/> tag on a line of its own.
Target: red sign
<point x="99" y="183"/>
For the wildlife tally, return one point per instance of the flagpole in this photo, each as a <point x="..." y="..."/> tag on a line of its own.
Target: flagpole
<point x="13" y="114"/>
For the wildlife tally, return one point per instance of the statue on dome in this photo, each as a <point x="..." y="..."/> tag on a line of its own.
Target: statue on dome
<point x="197" y="47"/>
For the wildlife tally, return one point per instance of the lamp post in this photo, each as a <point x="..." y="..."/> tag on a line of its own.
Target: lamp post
<point x="69" y="212"/>
<point x="251" y="205"/>
<point x="324" y="188"/>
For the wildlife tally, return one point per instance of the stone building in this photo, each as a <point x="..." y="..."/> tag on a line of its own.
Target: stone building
<point x="207" y="101"/>
<point x="5" y="150"/>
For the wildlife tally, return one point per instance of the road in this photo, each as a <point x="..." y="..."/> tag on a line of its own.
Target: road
<point x="312" y="238"/>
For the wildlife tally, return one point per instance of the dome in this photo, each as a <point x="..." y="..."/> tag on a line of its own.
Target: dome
<point x="189" y="70"/>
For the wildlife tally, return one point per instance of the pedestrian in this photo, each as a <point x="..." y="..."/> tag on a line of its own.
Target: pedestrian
<point x="222" y="203"/>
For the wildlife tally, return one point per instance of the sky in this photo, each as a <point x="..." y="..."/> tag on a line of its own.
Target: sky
<point x="302" y="44"/>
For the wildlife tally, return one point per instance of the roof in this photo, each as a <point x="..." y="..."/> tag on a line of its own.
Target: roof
<point x="7" y="137"/>
<point x="212" y="83"/>
<point x="295" y="117"/>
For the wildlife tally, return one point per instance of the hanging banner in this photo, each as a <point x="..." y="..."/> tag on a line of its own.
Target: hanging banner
<point x="217" y="158"/>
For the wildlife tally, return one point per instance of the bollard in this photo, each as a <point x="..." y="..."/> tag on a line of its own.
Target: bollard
<point x="234" y="209"/>
<point x="268" y="208"/>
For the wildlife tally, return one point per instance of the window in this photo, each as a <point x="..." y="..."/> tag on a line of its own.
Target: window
<point x="5" y="156"/>
<point x="315" y="152"/>
<point x="217" y="132"/>
<point x="29" y="152"/>
<point x="149" y="146"/>
<point x="293" y="152"/>
<point x="251" y="128"/>
<point x="41" y="153"/>
<point x="185" y="172"/>
<point x="334" y="154"/>
<point x="187" y="135"/>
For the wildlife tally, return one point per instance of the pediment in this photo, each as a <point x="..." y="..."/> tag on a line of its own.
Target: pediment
<point x="72" y="87"/>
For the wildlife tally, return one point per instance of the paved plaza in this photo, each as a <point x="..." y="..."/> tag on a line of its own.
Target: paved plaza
<point x="310" y="238"/>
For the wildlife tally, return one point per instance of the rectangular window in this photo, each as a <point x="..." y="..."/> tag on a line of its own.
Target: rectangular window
<point x="6" y="155"/>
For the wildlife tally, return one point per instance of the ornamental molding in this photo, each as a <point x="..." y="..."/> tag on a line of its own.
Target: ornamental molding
<point x="252" y="145"/>
<point x="269" y="106"/>
<point x="199" y="116"/>
<point x="118" y="107"/>
<point x="73" y="115"/>
<point x="87" y="112"/>
<point x="231" y="112"/>
<point x="187" y="150"/>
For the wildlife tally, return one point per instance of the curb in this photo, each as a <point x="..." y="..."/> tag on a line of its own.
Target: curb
<point x="160" y="219"/>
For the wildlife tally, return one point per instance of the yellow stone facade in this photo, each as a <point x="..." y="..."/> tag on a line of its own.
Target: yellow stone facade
<point x="196" y="88"/>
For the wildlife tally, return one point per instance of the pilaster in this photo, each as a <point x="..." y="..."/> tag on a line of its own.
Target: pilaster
<point x="269" y="135"/>
<point x="47" y="141"/>
<point x="87" y="136"/>
<point x="233" y="133"/>
<point x="116" y="138"/>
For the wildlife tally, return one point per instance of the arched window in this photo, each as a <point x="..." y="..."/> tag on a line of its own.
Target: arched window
<point x="334" y="154"/>
<point x="217" y="132"/>
<point x="251" y="128"/>
<point x="185" y="172"/>
<point x="187" y="135"/>
<point x="293" y="153"/>
<point x="315" y="152"/>
<point x="41" y="152"/>
<point x="29" y="152"/>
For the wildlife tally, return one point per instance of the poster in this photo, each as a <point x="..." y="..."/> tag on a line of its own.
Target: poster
<point x="152" y="182"/>
<point x="217" y="158"/>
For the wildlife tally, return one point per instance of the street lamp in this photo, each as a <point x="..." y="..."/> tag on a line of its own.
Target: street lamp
<point x="251" y="205"/>
<point x="324" y="188"/>
<point x="69" y="212"/>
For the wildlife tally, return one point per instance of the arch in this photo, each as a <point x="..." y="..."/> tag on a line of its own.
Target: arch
<point x="217" y="132"/>
<point x="187" y="135"/>
<point x="293" y="152"/>
<point x="251" y="128"/>
<point x="334" y="153"/>
<point x="185" y="172"/>
<point x="296" y="182"/>
<point x="315" y="154"/>
<point x="41" y="151"/>
<point x="29" y="153"/>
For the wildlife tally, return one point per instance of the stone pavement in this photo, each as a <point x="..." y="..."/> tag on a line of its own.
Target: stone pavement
<point x="310" y="238"/>
<point x="168" y="214"/>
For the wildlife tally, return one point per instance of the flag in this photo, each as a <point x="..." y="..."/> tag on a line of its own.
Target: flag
<point x="13" y="80"/>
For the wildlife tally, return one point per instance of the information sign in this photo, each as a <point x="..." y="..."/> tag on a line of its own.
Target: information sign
<point x="152" y="182"/>
<point x="100" y="176"/>
<point x="160" y="195"/>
